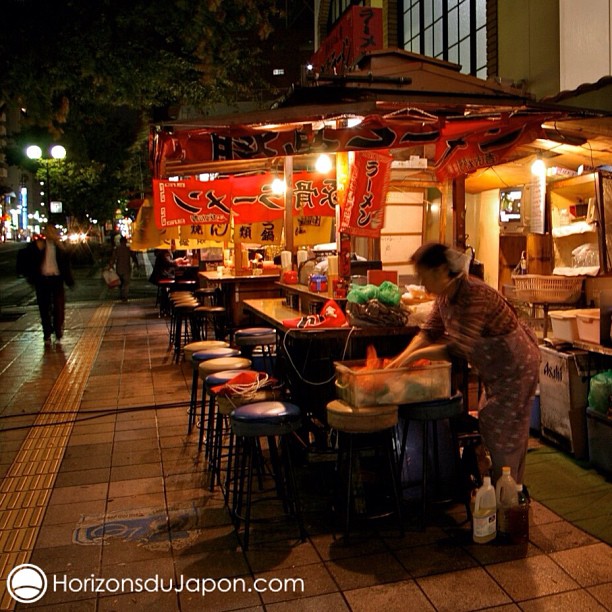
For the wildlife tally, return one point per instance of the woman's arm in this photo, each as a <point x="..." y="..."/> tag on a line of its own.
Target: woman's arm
<point x="419" y="348"/>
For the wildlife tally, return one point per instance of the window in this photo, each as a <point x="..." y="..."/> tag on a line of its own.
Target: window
<point x="451" y="30"/>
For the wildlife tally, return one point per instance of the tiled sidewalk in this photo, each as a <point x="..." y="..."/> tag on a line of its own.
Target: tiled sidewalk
<point x="128" y="474"/>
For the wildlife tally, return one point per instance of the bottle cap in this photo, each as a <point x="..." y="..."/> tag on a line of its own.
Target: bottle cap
<point x="506" y="469"/>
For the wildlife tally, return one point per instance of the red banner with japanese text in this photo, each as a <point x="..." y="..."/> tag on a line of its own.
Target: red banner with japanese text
<point x="253" y="198"/>
<point x="465" y="146"/>
<point x="363" y="213"/>
<point x="192" y="202"/>
<point x="314" y="195"/>
<point x="189" y="201"/>
<point x="360" y="29"/>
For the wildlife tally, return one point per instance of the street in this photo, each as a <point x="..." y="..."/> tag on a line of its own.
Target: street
<point x="16" y="293"/>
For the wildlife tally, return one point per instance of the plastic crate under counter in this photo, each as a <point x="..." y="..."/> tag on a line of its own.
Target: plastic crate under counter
<point x="368" y="387"/>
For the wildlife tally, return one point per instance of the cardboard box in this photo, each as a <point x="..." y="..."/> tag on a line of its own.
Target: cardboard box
<point x="564" y="386"/>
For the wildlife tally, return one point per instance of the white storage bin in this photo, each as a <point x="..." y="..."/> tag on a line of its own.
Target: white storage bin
<point x="588" y="325"/>
<point x="564" y="324"/>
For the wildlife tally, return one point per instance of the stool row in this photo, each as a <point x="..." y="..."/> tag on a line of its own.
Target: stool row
<point x="230" y="432"/>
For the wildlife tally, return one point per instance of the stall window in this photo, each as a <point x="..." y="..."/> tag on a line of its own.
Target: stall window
<point x="450" y="30"/>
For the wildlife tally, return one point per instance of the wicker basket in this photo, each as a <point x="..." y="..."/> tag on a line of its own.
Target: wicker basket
<point x="537" y="289"/>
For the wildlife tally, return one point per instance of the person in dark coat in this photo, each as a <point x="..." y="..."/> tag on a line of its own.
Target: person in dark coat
<point x="46" y="265"/>
<point x="122" y="258"/>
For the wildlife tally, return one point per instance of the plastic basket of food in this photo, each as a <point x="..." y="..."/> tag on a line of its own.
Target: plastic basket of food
<point x="536" y="288"/>
<point x="361" y="386"/>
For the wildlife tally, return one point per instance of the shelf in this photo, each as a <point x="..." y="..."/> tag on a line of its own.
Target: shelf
<point x="580" y="227"/>
<point x="582" y="271"/>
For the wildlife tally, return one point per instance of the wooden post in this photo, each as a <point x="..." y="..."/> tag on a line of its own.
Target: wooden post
<point x="459" y="212"/>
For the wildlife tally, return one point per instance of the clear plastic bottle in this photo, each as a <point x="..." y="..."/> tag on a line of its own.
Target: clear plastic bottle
<point x="506" y="497"/>
<point x="484" y="518"/>
<point x="519" y="518"/>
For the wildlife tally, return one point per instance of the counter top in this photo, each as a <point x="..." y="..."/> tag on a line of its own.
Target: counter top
<point x="213" y="276"/>
<point x="298" y="288"/>
<point x="275" y="310"/>
<point x="593" y="348"/>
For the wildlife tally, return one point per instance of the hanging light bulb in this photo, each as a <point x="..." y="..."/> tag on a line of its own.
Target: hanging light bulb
<point x="278" y="186"/>
<point x="323" y="164"/>
<point x="538" y="167"/>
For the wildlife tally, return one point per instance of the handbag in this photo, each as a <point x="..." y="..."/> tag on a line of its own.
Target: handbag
<point x="111" y="278"/>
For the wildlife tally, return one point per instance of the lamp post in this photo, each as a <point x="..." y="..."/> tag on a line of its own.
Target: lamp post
<point x="55" y="152"/>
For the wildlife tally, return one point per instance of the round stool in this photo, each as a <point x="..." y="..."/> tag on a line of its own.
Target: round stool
<point x="202" y="345"/>
<point x="163" y="291"/>
<point x="260" y="339"/>
<point x="207" y="296"/>
<point x="211" y="316"/>
<point x="250" y="423"/>
<point x="197" y="357"/>
<point x="429" y="414"/>
<point x="212" y="366"/>
<point x="363" y="428"/>
<point x="181" y="325"/>
<point x="224" y="407"/>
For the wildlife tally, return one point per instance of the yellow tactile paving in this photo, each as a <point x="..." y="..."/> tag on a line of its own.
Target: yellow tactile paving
<point x="27" y="487"/>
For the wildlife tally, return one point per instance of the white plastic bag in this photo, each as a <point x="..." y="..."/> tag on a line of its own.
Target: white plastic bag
<point x="111" y="278"/>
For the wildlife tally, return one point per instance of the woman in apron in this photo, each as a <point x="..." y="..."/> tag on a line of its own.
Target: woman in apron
<point x="471" y="320"/>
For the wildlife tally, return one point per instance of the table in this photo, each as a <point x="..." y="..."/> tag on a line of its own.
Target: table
<point x="236" y="288"/>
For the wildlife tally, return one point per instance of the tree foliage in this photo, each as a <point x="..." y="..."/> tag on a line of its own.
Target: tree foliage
<point x="93" y="72"/>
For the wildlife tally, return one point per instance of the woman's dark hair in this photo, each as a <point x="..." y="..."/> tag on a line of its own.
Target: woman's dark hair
<point x="431" y="255"/>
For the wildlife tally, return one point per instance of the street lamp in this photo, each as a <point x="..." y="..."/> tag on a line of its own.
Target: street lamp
<point x="56" y="152"/>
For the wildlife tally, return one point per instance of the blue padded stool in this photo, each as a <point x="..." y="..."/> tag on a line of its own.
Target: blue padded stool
<point x="197" y="357"/>
<point x="257" y="339"/>
<point x="250" y="423"/>
<point x="205" y="368"/>
<point x="429" y="415"/>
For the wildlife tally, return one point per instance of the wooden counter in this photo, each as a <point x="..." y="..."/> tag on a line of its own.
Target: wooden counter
<point x="239" y="287"/>
<point x="305" y="357"/>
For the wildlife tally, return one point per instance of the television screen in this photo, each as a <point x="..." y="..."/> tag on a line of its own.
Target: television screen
<point x="510" y="205"/>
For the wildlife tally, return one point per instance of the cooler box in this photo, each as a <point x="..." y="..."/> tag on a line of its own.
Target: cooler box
<point x="564" y="324"/>
<point x="588" y="325"/>
<point x="360" y="387"/>
<point x="599" y="428"/>
<point x="564" y="387"/>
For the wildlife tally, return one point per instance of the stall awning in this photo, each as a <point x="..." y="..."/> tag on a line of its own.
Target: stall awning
<point x="392" y="100"/>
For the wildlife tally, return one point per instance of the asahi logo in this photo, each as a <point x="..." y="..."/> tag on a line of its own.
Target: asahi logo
<point x="555" y="373"/>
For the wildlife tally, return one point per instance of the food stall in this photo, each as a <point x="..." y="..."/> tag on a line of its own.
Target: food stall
<point x="406" y="134"/>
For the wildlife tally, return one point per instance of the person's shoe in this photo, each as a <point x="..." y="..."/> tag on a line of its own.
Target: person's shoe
<point x="47" y="339"/>
<point x="58" y="336"/>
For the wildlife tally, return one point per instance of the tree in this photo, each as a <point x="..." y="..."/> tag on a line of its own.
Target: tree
<point x="93" y="73"/>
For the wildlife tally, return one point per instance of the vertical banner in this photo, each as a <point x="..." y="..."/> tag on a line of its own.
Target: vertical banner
<point x="363" y="213"/>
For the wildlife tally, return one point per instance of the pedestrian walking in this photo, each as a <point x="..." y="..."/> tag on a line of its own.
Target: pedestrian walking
<point x="46" y="265"/>
<point x="122" y="258"/>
